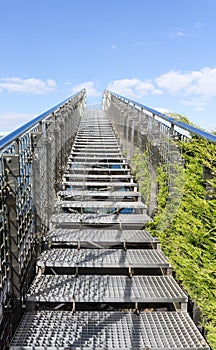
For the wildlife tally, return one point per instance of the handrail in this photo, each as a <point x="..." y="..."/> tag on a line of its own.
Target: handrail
<point x="8" y="139"/>
<point x="189" y="128"/>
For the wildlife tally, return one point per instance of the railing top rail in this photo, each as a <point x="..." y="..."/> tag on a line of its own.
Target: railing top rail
<point x="191" y="129"/>
<point x="8" y="139"/>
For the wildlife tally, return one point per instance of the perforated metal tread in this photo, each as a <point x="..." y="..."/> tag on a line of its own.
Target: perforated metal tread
<point x="63" y="220"/>
<point x="96" y="154"/>
<point x="103" y="258"/>
<point x="100" y="236"/>
<point x="89" y="194"/>
<point x="104" y="165"/>
<point x="95" y="143"/>
<point x="98" y="170"/>
<point x="92" y="159"/>
<point x="110" y="184"/>
<point x="97" y="137"/>
<point x="97" y="176"/>
<point x="102" y="146"/>
<point x="52" y="330"/>
<point x="97" y="151"/>
<point x="100" y="204"/>
<point x="105" y="289"/>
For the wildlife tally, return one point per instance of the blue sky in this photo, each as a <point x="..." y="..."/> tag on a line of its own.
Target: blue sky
<point x="161" y="53"/>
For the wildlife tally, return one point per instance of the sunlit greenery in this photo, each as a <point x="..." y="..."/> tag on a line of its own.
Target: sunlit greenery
<point x="189" y="237"/>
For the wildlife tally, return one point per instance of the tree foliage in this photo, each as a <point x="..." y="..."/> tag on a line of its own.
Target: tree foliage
<point x="189" y="239"/>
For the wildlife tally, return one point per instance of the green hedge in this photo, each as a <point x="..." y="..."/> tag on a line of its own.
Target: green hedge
<point x="189" y="237"/>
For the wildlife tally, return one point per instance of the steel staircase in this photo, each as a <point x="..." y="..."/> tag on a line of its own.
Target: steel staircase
<point x="102" y="281"/>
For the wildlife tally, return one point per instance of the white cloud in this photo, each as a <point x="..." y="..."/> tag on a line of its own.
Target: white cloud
<point x="133" y="88"/>
<point x="193" y="87"/>
<point x="113" y="46"/>
<point x="195" y="102"/>
<point x="162" y="110"/>
<point x="11" y="121"/>
<point x="198" y="83"/>
<point x="180" y="33"/>
<point x="173" y="81"/>
<point x="30" y="85"/>
<point x="90" y="89"/>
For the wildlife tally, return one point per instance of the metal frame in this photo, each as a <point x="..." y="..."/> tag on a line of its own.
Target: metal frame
<point x="30" y="160"/>
<point x="172" y="122"/>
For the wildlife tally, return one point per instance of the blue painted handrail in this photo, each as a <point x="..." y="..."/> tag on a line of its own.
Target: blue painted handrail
<point x="189" y="128"/>
<point x="8" y="139"/>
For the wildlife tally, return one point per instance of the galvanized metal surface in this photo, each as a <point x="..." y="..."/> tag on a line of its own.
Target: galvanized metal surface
<point x="85" y="183"/>
<point x="107" y="330"/>
<point x="87" y="194"/>
<point x="100" y="204"/>
<point x="100" y="236"/>
<point x="139" y="220"/>
<point x="96" y="169"/>
<point x="32" y="159"/>
<point x="103" y="164"/>
<point x="88" y="176"/>
<point x="97" y="202"/>
<point x="105" y="289"/>
<point x="113" y="258"/>
<point x="152" y="113"/>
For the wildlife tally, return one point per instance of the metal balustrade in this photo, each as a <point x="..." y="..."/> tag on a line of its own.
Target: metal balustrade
<point x="71" y="213"/>
<point x="32" y="160"/>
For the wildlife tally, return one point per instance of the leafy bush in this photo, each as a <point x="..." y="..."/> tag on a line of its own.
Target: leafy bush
<point x="189" y="239"/>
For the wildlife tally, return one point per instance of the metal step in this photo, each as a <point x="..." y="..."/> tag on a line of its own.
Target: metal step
<point x="96" y="158"/>
<point x="103" y="258"/>
<point x="138" y="221"/>
<point x="109" y="195"/>
<point x="96" y="154"/>
<point x="109" y="205"/>
<point x="96" y="147"/>
<point x="103" y="165"/>
<point x="104" y="184"/>
<point x="91" y="177"/>
<point x="96" y="169"/>
<point x="97" y="137"/>
<point x="95" y="143"/>
<point x="95" y="237"/>
<point x="102" y="149"/>
<point x="106" y="289"/>
<point x="52" y="330"/>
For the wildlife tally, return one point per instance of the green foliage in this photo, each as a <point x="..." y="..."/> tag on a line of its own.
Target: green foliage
<point x="189" y="239"/>
<point x="191" y="234"/>
<point x="139" y="165"/>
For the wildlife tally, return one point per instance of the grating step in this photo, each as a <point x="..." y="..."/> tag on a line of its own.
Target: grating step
<point x="52" y="330"/>
<point x="91" y="159"/>
<point x="105" y="289"/>
<point x="95" y="143"/>
<point x="107" y="177"/>
<point x="138" y="221"/>
<point x="101" y="146"/>
<point x="96" y="154"/>
<point x="100" y="204"/>
<point x="102" y="149"/>
<point x="102" y="237"/>
<point x="103" y="164"/>
<point x="109" y="195"/>
<point x="103" y="258"/>
<point x="110" y="183"/>
<point x="96" y="169"/>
